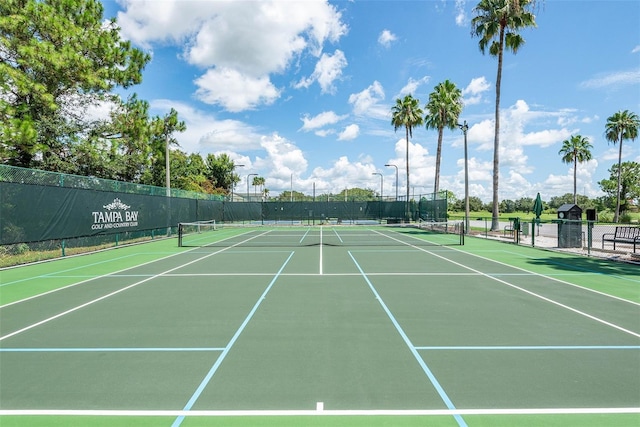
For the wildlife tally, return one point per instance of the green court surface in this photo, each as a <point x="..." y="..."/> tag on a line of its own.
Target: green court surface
<point x="320" y="326"/>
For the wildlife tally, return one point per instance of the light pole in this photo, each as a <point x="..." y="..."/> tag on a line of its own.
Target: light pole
<point x="249" y="176"/>
<point x="381" y="186"/>
<point x="167" y="179"/>
<point x="396" y="179"/>
<point x="464" y="127"/>
<point x="233" y="184"/>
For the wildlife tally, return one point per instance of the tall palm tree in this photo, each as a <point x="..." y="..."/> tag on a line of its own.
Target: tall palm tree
<point x="443" y="110"/>
<point x="497" y="23"/>
<point x="622" y="125"/>
<point x="576" y="149"/>
<point x="406" y="113"/>
<point x="257" y="181"/>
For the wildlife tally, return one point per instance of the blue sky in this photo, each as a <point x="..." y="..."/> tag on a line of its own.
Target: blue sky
<point x="301" y="91"/>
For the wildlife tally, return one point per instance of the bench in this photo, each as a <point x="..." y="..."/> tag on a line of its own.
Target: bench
<point x="508" y="229"/>
<point x="514" y="223"/>
<point x="629" y="235"/>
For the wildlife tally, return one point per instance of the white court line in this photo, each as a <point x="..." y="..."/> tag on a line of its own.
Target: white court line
<point x="71" y="310"/>
<point x="321" y="245"/>
<point x="317" y="412"/>
<point x="194" y="250"/>
<point x="549" y="300"/>
<point x="85" y="281"/>
<point x="564" y="282"/>
<point x="110" y="349"/>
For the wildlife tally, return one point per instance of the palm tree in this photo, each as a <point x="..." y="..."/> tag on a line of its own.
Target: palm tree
<point x="575" y="150"/>
<point x="257" y="181"/>
<point x="443" y="109"/>
<point x="406" y="113"/>
<point x="622" y="125"/>
<point x="497" y="23"/>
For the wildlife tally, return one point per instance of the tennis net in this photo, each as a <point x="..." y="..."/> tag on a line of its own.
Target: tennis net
<point x="214" y="234"/>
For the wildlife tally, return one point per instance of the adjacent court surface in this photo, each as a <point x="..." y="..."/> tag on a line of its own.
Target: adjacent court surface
<point x="321" y="326"/>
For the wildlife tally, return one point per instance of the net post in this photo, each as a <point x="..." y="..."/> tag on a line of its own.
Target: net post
<point x="179" y="234"/>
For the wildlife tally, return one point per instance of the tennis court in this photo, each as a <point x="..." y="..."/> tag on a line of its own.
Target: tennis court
<point x="320" y="326"/>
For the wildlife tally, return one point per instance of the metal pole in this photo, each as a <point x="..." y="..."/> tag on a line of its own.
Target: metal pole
<point x="167" y="183"/>
<point x="396" y="179"/>
<point x="465" y="128"/>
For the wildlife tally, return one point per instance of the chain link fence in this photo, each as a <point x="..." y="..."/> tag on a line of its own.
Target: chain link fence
<point x="591" y="238"/>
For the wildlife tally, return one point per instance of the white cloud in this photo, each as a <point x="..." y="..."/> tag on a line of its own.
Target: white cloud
<point x="145" y="22"/>
<point x="253" y="38"/>
<point x="472" y="94"/>
<point x="241" y="43"/>
<point x="516" y="118"/>
<point x="282" y="161"/>
<point x="328" y="69"/>
<point x="461" y="14"/>
<point x="421" y="168"/>
<point x="342" y="174"/>
<point x="367" y="102"/>
<point x="615" y="79"/>
<point x="324" y="132"/>
<point x="386" y="37"/>
<point x="350" y="132"/>
<point x="412" y="86"/>
<point x="635" y="49"/>
<point x="323" y="119"/>
<point x="207" y="134"/>
<point x="234" y="91"/>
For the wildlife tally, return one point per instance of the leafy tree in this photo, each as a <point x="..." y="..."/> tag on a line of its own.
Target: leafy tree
<point x="443" y="110"/>
<point x="507" y="206"/>
<point x="576" y="149"/>
<point x="524" y="204"/>
<point x="497" y="23"/>
<point x="123" y="140"/>
<point x="629" y="189"/>
<point x="357" y="195"/>
<point x="475" y="204"/>
<point x="557" y="201"/>
<point x="57" y="56"/>
<point x="620" y="126"/>
<point x="406" y="113"/>
<point x="188" y="172"/>
<point x="296" y="196"/>
<point x="220" y="170"/>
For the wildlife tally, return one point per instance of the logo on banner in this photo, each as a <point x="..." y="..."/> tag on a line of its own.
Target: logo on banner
<point x="115" y="215"/>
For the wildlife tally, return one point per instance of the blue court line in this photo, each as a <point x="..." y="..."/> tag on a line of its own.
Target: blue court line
<point x="535" y="347"/>
<point x="107" y="349"/>
<point x="178" y="421"/>
<point x="421" y="362"/>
